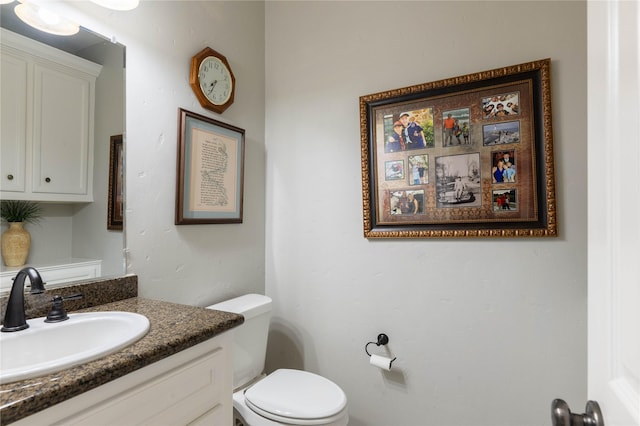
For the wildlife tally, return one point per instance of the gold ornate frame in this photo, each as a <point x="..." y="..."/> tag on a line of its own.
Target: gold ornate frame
<point x="462" y="189"/>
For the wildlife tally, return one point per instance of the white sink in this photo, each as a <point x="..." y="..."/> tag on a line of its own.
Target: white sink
<point x="45" y="348"/>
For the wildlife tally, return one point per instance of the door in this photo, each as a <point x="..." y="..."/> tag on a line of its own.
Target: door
<point x="61" y="147"/>
<point x="13" y="132"/>
<point x="614" y="206"/>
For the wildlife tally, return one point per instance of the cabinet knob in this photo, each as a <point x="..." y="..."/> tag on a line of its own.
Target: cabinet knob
<point x="10" y="177"/>
<point x="48" y="179"/>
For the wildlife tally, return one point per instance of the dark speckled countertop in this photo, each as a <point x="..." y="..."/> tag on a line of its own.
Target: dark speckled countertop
<point x="174" y="327"/>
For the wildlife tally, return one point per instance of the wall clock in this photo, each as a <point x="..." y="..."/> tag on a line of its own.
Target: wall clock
<point x="211" y="80"/>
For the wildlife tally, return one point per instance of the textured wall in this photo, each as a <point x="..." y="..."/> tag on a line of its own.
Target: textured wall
<point x="194" y="264"/>
<point x="487" y="332"/>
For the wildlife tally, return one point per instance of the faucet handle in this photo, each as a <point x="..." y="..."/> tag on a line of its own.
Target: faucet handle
<point x="57" y="312"/>
<point x="76" y="296"/>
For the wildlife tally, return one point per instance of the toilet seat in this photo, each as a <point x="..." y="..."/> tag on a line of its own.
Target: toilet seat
<point x="298" y="397"/>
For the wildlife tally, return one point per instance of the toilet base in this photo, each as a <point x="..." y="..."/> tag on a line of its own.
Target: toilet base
<point x="238" y="420"/>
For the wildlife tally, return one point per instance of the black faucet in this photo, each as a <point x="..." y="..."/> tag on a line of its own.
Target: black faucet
<point x="14" y="318"/>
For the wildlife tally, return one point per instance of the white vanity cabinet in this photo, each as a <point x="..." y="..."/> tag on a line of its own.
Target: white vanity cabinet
<point x="60" y="272"/>
<point x="48" y="99"/>
<point x="192" y="387"/>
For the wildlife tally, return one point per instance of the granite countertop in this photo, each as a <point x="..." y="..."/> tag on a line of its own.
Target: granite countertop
<point x="174" y="327"/>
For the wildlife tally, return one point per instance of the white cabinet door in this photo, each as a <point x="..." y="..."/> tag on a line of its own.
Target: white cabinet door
<point x="13" y="132"/>
<point x="61" y="131"/>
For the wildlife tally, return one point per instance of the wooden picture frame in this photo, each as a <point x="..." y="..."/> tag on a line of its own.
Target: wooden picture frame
<point x="468" y="156"/>
<point x="115" y="210"/>
<point x="210" y="171"/>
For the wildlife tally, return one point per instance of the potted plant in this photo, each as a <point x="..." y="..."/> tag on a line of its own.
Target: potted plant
<point x="16" y="240"/>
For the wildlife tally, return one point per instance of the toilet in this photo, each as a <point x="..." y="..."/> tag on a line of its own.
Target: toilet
<point x="284" y="397"/>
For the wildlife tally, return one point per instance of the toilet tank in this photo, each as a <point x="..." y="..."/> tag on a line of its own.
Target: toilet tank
<point x="250" y="338"/>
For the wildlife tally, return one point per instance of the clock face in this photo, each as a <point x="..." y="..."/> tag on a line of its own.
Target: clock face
<point x="215" y="80"/>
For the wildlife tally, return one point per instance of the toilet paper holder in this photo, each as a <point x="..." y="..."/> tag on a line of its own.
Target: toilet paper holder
<point x="383" y="339"/>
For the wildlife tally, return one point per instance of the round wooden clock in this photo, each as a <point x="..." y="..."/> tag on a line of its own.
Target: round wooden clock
<point x="211" y="80"/>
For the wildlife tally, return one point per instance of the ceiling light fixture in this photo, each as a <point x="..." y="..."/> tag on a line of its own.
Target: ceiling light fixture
<point x="118" y="4"/>
<point x="6" y="1"/>
<point x="45" y="20"/>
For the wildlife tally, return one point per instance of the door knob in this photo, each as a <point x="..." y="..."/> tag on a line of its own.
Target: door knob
<point x="561" y="415"/>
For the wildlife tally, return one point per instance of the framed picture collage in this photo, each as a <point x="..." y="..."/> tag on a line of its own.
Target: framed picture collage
<point x="464" y="157"/>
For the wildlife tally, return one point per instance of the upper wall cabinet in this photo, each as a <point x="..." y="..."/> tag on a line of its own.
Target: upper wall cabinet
<point x="47" y="117"/>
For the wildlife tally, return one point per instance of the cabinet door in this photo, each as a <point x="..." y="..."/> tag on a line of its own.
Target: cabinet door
<point x="62" y="102"/>
<point x="218" y="415"/>
<point x="13" y="132"/>
<point x="168" y="393"/>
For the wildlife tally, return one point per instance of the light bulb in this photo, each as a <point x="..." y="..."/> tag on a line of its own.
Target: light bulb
<point x="118" y="4"/>
<point x="48" y="18"/>
<point x="45" y="20"/>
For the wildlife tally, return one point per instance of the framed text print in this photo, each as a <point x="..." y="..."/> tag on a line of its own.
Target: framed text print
<point x="210" y="175"/>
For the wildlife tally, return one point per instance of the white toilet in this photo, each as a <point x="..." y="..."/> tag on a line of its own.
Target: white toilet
<point x="284" y="397"/>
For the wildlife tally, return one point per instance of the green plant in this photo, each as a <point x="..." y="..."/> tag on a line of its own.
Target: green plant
<point x="20" y="211"/>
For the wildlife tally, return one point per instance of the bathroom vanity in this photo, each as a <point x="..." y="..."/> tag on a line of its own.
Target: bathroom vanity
<point x="178" y="373"/>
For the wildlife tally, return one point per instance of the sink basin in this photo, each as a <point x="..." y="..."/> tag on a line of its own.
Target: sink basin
<point x="45" y="348"/>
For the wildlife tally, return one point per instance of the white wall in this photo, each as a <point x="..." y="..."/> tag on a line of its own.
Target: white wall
<point x="487" y="332"/>
<point x="91" y="238"/>
<point x="193" y="264"/>
<point x="51" y="237"/>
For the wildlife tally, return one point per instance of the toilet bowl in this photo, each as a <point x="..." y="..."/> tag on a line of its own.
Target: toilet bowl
<point x="284" y="397"/>
<point x="291" y="397"/>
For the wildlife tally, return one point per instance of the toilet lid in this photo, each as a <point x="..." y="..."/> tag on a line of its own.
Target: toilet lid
<point x="295" y="394"/>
